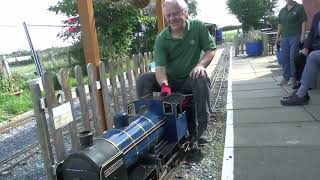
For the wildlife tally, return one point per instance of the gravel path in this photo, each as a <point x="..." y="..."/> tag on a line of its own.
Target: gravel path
<point x="19" y="138"/>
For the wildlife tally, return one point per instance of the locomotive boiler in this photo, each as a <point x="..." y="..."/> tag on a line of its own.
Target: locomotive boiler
<point x="144" y="143"/>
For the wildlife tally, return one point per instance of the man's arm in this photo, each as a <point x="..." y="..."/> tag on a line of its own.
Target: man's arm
<point x="207" y="57"/>
<point x="278" y="33"/>
<point x="308" y="42"/>
<point x="200" y="68"/>
<point x="161" y="75"/>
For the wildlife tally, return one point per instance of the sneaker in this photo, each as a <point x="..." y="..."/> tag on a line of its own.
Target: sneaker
<point x="292" y="81"/>
<point x="306" y="96"/>
<point x="294" y="100"/>
<point x="296" y="86"/>
<point x="205" y="138"/>
<point x="283" y="81"/>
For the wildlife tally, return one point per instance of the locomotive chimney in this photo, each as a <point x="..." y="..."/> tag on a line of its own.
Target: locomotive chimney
<point x="86" y="139"/>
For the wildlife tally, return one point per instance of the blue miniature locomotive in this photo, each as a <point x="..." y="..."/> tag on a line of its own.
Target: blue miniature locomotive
<point x="143" y="143"/>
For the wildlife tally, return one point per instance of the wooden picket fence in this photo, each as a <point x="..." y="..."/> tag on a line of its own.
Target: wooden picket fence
<point x="55" y="110"/>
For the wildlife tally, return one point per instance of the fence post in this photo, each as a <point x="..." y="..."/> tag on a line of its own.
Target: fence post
<point x="242" y="43"/>
<point x="129" y="77"/>
<point x="111" y="67"/>
<point x="81" y="93"/>
<point x="64" y="75"/>
<point x="43" y="130"/>
<point x="135" y="65"/>
<point x="51" y="103"/>
<point x="95" y="101"/>
<point x="122" y="83"/>
<point x="141" y="63"/>
<point x="105" y="94"/>
<point x="265" y="44"/>
<point x="236" y="45"/>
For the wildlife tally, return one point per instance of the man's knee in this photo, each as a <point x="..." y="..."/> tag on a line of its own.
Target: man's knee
<point x="313" y="56"/>
<point x="145" y="78"/>
<point x="145" y="84"/>
<point x="201" y="82"/>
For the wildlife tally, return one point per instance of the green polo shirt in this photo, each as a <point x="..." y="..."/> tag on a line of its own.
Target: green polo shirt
<point x="292" y="20"/>
<point x="180" y="56"/>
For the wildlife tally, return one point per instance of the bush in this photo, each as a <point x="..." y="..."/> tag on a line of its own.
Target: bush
<point x="228" y="28"/>
<point x="253" y="35"/>
<point x="13" y="83"/>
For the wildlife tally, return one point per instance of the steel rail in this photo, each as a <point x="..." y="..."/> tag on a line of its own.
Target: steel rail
<point x="18" y="157"/>
<point x="16" y="123"/>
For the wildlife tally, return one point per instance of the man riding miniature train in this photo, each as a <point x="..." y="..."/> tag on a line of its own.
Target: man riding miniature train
<point x="179" y="68"/>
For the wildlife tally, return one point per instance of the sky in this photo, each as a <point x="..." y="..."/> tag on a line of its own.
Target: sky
<point x="14" y="12"/>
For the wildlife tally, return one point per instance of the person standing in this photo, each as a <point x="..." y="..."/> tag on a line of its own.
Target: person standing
<point x="179" y="66"/>
<point x="312" y="51"/>
<point x="291" y="31"/>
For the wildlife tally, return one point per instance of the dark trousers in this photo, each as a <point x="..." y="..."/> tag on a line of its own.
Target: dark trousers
<point x="200" y="87"/>
<point x="299" y="62"/>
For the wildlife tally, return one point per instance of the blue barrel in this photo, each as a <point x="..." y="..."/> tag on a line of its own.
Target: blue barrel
<point x="254" y="48"/>
<point x="219" y="36"/>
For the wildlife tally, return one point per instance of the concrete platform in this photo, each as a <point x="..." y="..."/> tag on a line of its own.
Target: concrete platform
<point x="277" y="163"/>
<point x="265" y="140"/>
<point x="274" y="115"/>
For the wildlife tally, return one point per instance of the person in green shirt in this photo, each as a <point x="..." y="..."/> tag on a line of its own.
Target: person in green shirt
<point x="292" y="26"/>
<point x="179" y="67"/>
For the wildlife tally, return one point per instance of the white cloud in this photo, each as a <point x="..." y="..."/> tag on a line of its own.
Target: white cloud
<point x="14" y="12"/>
<point x="215" y="11"/>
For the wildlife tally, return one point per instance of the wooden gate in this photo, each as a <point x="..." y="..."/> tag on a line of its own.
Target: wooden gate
<point x="55" y="110"/>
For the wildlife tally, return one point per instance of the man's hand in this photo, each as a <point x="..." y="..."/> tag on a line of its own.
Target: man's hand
<point x="165" y="90"/>
<point x="305" y="51"/>
<point x="198" y="71"/>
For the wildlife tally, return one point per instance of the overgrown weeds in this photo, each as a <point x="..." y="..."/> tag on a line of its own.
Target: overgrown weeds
<point x="11" y="106"/>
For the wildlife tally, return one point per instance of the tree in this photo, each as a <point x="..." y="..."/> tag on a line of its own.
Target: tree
<point x="192" y="7"/>
<point x="251" y="13"/>
<point x="116" y="26"/>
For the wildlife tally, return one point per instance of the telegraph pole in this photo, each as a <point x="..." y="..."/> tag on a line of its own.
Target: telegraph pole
<point x="160" y="17"/>
<point x="91" y="46"/>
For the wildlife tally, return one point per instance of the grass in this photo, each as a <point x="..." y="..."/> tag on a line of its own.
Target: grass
<point x="73" y="81"/>
<point x="228" y="36"/>
<point x="11" y="106"/>
<point x="24" y="69"/>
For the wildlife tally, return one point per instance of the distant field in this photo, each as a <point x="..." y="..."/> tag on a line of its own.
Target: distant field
<point x="11" y="106"/>
<point x="228" y="36"/>
<point x="28" y="69"/>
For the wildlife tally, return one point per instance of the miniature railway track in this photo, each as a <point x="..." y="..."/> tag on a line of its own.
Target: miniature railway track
<point x="18" y="158"/>
<point x="16" y="123"/>
<point x="219" y="80"/>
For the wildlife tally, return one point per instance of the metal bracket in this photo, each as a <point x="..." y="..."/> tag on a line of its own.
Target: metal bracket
<point x="43" y="103"/>
<point x="54" y="169"/>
